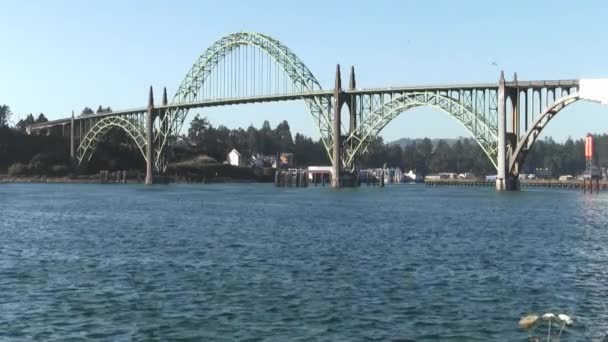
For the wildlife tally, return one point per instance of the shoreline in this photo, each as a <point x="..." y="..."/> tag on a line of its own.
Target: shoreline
<point x="94" y="179"/>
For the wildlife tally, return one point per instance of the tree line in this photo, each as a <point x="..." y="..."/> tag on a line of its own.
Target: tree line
<point x="465" y="155"/>
<point x="6" y="114"/>
<point x="117" y="151"/>
<point x="216" y="142"/>
<point x="22" y="154"/>
<point x="423" y="155"/>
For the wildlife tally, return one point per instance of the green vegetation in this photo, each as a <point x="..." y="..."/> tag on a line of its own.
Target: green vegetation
<point x="21" y="154"/>
<point x="5" y="115"/>
<point x="204" y="168"/>
<point x="217" y="142"/>
<point x="205" y="148"/>
<point x="29" y="119"/>
<point x="464" y="155"/>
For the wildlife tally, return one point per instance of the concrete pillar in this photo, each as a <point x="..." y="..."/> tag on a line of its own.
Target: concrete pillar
<point x="163" y="112"/>
<point x="149" y="138"/>
<point x="352" y="105"/>
<point x="353" y="111"/>
<point x="502" y="135"/>
<point x="337" y="130"/>
<point x="515" y="110"/>
<point x="72" y="150"/>
<point x="513" y="179"/>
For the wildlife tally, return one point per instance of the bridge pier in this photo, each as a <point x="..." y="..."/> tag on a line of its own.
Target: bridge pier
<point x="352" y="109"/>
<point x="72" y="150"/>
<point x="337" y="144"/>
<point x="150" y="138"/>
<point x="340" y="176"/>
<point x="505" y="180"/>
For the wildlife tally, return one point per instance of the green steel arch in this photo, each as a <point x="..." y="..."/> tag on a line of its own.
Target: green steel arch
<point x="300" y="75"/>
<point x="529" y="138"/>
<point x="89" y="142"/>
<point x="476" y="123"/>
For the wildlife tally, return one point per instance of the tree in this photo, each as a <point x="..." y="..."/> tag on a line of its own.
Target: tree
<point x="101" y="110"/>
<point x="283" y="139"/>
<point x="197" y="129"/>
<point x="265" y="142"/>
<point x="23" y="123"/>
<point x="87" y="111"/>
<point x="440" y="161"/>
<point x="41" y="118"/>
<point x="252" y="140"/>
<point x="455" y="159"/>
<point x="5" y="115"/>
<point x="424" y="153"/>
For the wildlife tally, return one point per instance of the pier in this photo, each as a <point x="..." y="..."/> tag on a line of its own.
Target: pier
<point x="583" y="185"/>
<point x="297" y="178"/>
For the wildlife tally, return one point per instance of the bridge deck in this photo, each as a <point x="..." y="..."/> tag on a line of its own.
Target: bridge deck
<point x="322" y="93"/>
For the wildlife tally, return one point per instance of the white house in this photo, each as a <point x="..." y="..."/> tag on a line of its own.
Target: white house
<point x="235" y="158"/>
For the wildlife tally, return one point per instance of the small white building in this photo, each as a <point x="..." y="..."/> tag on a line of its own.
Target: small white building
<point x="466" y="175"/>
<point x="317" y="172"/>
<point x="235" y="158"/>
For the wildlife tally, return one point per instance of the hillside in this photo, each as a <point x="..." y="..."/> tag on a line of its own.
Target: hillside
<point x="403" y="142"/>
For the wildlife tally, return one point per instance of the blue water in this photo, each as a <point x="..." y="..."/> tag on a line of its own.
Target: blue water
<point x="253" y="263"/>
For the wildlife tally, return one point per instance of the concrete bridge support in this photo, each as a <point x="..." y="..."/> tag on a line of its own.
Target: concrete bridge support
<point x="513" y="137"/>
<point x="337" y="136"/>
<point x="150" y="138"/>
<point x="352" y="108"/>
<point x="502" y="136"/>
<point x="72" y="147"/>
<point x="343" y="177"/>
<point x="505" y="181"/>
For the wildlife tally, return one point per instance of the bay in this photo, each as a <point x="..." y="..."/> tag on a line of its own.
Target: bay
<point x="251" y="262"/>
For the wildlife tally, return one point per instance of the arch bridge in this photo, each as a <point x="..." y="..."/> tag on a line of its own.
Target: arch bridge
<point x="245" y="67"/>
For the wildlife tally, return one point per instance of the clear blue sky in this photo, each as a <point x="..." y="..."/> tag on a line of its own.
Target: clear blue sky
<point x="62" y="55"/>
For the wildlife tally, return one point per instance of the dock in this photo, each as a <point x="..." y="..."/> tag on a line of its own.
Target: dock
<point x="539" y="183"/>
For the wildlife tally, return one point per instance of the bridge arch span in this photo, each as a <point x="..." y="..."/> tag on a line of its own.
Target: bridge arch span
<point x="476" y="124"/>
<point x="190" y="89"/>
<point x="518" y="155"/>
<point x="89" y="142"/>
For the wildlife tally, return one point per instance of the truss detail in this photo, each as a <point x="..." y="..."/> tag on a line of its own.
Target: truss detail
<point x="529" y="138"/>
<point x="89" y="141"/>
<point x="473" y="112"/>
<point x="191" y="87"/>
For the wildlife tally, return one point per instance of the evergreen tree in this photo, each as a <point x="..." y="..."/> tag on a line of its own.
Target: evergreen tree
<point x="5" y="115"/>
<point x="41" y="118"/>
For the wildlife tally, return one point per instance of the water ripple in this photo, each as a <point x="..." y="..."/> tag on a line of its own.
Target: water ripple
<point x="256" y="263"/>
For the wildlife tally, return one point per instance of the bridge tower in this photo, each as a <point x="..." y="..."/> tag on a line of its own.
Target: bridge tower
<point x="150" y="138"/>
<point x="337" y="135"/>
<point x="507" y="179"/>
<point x="342" y="177"/>
<point x="502" y="135"/>
<point x="512" y="93"/>
<point x="352" y="109"/>
<point x="72" y="145"/>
